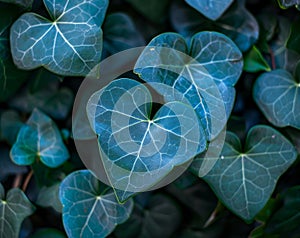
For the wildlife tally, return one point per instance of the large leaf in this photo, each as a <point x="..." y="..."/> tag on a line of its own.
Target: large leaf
<point x="277" y="94"/>
<point x="68" y="44"/>
<point x="204" y="72"/>
<point x="212" y="9"/>
<point x="13" y="210"/>
<point x="139" y="150"/>
<point x="244" y="179"/>
<point x="237" y="23"/>
<point x="90" y="208"/>
<point x="39" y="139"/>
<point x="160" y="213"/>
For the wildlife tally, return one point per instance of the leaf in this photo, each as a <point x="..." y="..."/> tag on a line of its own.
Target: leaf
<point x="237" y="23"/>
<point x="161" y="215"/>
<point x="154" y="10"/>
<point x="288" y="3"/>
<point x="68" y="44"/>
<point x="26" y="4"/>
<point x="39" y="138"/>
<point x="245" y="179"/>
<point x="48" y="233"/>
<point x="138" y="150"/>
<point x="10" y="124"/>
<point x="255" y="62"/>
<point x="278" y="96"/>
<point x="13" y="210"/>
<point x="212" y="9"/>
<point x="49" y="197"/>
<point x="204" y="72"/>
<point x="120" y="33"/>
<point x="90" y="208"/>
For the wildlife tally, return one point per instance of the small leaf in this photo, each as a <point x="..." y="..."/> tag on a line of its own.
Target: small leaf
<point x="49" y="197"/>
<point x="255" y="62"/>
<point x="245" y="180"/>
<point x="26" y="4"/>
<point x="90" y="208"/>
<point x="212" y="9"/>
<point x="13" y="210"/>
<point x="37" y="41"/>
<point x="138" y="151"/>
<point x="205" y="72"/>
<point x="39" y="138"/>
<point x="278" y="96"/>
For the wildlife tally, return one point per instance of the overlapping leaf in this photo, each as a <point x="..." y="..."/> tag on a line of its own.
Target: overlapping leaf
<point x="139" y="151"/>
<point x="39" y="139"/>
<point x="212" y="9"/>
<point x="277" y="94"/>
<point x="13" y="210"/>
<point x="68" y="44"/>
<point x="90" y="208"/>
<point x="204" y="72"/>
<point x="245" y="179"/>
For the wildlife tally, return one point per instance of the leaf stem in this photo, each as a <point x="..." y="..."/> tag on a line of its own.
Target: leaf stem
<point x="17" y="181"/>
<point x="27" y="180"/>
<point x="272" y="58"/>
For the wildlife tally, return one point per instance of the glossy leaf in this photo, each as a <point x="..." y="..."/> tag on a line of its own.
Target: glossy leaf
<point x="244" y="179"/>
<point x="26" y="4"/>
<point x="212" y="9"/>
<point x="120" y="33"/>
<point x="204" y="72"/>
<point x="68" y="44"/>
<point x="49" y="197"/>
<point x="39" y="139"/>
<point x="160" y="213"/>
<point x="90" y="208"/>
<point x="14" y="208"/>
<point x="255" y="62"/>
<point x="138" y="151"/>
<point x="277" y="94"/>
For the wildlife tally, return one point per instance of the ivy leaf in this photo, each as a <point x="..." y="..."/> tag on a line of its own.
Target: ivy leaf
<point x="212" y="9"/>
<point x="288" y="3"/>
<point x="205" y="73"/>
<point x="13" y="210"/>
<point x="160" y="213"/>
<point x="68" y="44"/>
<point x="138" y="151"/>
<point x="90" y="208"/>
<point x="39" y="138"/>
<point x="245" y="179"/>
<point x="120" y="34"/>
<point x="255" y="62"/>
<point x="25" y="4"/>
<point x="278" y="96"/>
<point x="237" y="23"/>
<point x="49" y="197"/>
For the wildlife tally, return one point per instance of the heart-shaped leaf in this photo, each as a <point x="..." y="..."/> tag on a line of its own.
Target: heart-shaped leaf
<point x="278" y="96"/>
<point x="204" y="72"/>
<point x="138" y="151"/>
<point x="90" y="208"/>
<point x="40" y="139"/>
<point x="68" y="44"/>
<point x="49" y="197"/>
<point x="244" y="179"/>
<point x="13" y="210"/>
<point x="212" y="9"/>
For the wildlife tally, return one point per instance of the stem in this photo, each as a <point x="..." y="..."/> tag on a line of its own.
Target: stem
<point x="214" y="215"/>
<point x="17" y="181"/>
<point x="272" y="58"/>
<point x="27" y="180"/>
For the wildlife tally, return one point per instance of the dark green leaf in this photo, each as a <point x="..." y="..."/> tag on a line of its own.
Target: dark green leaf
<point x="10" y="124"/>
<point x="49" y="197"/>
<point x="70" y="43"/>
<point x="255" y="62"/>
<point x="26" y="4"/>
<point x="278" y="96"/>
<point x="13" y="210"/>
<point x="40" y="139"/>
<point x="244" y="179"/>
<point x="90" y="208"/>
<point x="48" y="233"/>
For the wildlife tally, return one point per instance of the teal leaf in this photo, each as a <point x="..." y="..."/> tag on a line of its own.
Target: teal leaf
<point x="25" y="4"/>
<point x="39" y="139"/>
<point x="205" y="72"/>
<point x="255" y="62"/>
<point x="37" y="41"/>
<point x="212" y="9"/>
<point x="14" y="208"/>
<point x="48" y="233"/>
<point x="161" y="213"/>
<point x="237" y="23"/>
<point x="245" y="179"/>
<point x="138" y="150"/>
<point x="10" y="124"/>
<point x="120" y="33"/>
<point x="90" y="208"/>
<point x="277" y="94"/>
<point x="49" y="197"/>
<point x="288" y="3"/>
